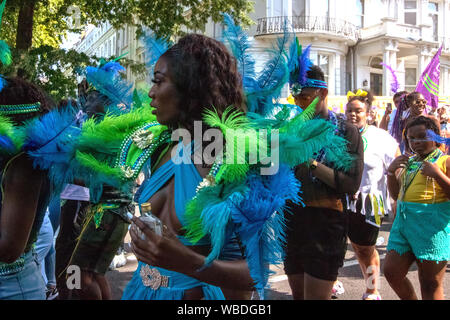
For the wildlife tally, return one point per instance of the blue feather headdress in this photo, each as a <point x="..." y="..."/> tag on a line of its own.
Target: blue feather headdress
<point x="239" y="44"/>
<point x="437" y="138"/>
<point x="154" y="48"/>
<point x="299" y="65"/>
<point x="271" y="80"/>
<point x="107" y="80"/>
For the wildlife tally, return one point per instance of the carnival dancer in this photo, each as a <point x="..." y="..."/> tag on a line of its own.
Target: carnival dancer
<point x="178" y="102"/>
<point x="317" y="233"/>
<point x="420" y="232"/>
<point x="104" y="223"/>
<point x="367" y="207"/>
<point x="25" y="192"/>
<point x="234" y="197"/>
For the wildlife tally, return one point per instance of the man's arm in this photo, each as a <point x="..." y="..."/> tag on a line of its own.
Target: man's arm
<point x="345" y="182"/>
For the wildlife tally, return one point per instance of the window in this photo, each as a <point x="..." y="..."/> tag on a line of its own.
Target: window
<point x="376" y="63"/>
<point x="277" y="8"/>
<point x="410" y="79"/>
<point x="411" y="12"/>
<point x="320" y="8"/>
<point x="323" y="61"/>
<point x="298" y="8"/>
<point x="359" y="17"/>
<point x="433" y="9"/>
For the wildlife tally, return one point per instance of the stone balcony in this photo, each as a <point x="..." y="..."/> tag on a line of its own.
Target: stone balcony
<point x="330" y="27"/>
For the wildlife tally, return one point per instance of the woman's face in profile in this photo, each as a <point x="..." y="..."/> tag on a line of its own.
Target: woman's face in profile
<point x="165" y="97"/>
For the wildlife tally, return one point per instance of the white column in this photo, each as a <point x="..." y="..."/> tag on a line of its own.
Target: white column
<point x="389" y="58"/>
<point x="337" y="73"/>
<point x="332" y="75"/>
<point x="386" y="82"/>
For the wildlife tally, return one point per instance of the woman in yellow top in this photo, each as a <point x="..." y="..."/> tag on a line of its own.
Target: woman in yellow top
<point x="421" y="229"/>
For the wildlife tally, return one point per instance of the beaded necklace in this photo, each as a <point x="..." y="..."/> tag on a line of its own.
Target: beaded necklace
<point x="147" y="142"/>
<point x="413" y="166"/>
<point x="19" y="108"/>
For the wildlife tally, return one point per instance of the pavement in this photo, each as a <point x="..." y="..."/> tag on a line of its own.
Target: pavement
<point x="350" y="275"/>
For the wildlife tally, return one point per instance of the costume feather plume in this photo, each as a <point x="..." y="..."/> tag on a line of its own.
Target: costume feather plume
<point x="154" y="48"/>
<point x="240" y="45"/>
<point x="271" y="79"/>
<point x="299" y="62"/>
<point x="437" y="138"/>
<point x="109" y="83"/>
<point x="7" y="133"/>
<point x="50" y="141"/>
<point x="235" y="128"/>
<point x="394" y="82"/>
<point x="259" y="220"/>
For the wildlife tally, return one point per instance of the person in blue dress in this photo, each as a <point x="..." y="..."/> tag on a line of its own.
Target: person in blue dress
<point x="196" y="73"/>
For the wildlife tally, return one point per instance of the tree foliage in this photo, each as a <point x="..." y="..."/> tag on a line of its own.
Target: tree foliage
<point x="47" y="22"/>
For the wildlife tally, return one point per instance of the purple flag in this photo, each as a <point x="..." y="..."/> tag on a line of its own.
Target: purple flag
<point x="429" y="81"/>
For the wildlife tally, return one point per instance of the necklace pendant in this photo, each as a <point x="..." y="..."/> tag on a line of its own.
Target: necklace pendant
<point x="142" y="138"/>
<point x="127" y="171"/>
<point x="208" y="181"/>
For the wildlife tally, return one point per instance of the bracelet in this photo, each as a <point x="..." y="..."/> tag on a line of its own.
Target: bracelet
<point x="390" y="174"/>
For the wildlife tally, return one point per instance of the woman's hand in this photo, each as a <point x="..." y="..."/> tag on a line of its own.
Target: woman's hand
<point x="399" y="162"/>
<point x="164" y="251"/>
<point x="430" y="169"/>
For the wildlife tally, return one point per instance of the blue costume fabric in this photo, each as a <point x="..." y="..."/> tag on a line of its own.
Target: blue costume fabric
<point x="187" y="179"/>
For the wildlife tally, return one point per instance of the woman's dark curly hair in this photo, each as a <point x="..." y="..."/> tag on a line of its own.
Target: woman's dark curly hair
<point x="205" y="75"/>
<point x="367" y="100"/>
<point x="21" y="91"/>
<point x="429" y="123"/>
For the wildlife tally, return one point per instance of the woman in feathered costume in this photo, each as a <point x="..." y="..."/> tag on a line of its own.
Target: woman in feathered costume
<point x="233" y="199"/>
<point x="25" y="192"/>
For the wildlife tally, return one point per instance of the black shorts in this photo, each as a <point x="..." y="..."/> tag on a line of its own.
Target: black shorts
<point x="316" y="242"/>
<point x="360" y="231"/>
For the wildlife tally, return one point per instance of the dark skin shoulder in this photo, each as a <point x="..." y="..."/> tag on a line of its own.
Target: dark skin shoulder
<point x="21" y="191"/>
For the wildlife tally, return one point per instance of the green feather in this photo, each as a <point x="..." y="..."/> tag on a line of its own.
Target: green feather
<point x="206" y="197"/>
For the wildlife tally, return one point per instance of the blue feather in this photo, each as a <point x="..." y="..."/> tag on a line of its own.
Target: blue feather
<point x="154" y="48"/>
<point x="437" y="138"/>
<point x="3" y="82"/>
<point x="239" y="43"/>
<point x="6" y="145"/>
<point x="114" y="67"/>
<point x="51" y="143"/>
<point x="304" y="64"/>
<point x="109" y="83"/>
<point x="259" y="220"/>
<point x="271" y="79"/>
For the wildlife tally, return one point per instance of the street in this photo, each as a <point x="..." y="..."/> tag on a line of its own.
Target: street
<point x="349" y="275"/>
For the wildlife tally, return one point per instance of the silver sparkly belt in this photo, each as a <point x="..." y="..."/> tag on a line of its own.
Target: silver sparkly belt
<point x="151" y="277"/>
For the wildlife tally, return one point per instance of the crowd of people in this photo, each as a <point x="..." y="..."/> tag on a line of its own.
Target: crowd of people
<point x="343" y="174"/>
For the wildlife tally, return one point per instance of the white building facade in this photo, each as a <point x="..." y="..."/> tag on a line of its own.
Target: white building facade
<point x="104" y="41"/>
<point x="350" y="38"/>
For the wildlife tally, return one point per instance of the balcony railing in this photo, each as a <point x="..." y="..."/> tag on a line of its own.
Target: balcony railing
<point x="337" y="27"/>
